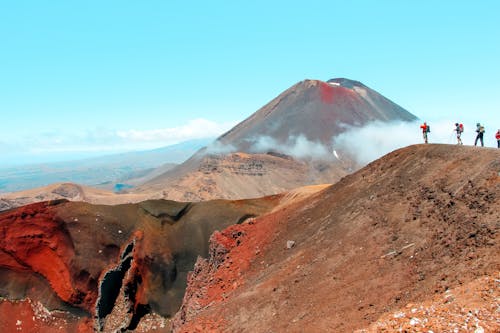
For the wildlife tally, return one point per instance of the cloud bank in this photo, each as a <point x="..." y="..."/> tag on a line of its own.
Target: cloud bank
<point x="296" y="146"/>
<point x="74" y="143"/>
<point x="365" y="143"/>
<point x="376" y="139"/>
<point x="194" y="129"/>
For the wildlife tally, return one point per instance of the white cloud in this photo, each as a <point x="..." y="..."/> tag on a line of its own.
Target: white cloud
<point x="377" y="139"/>
<point x="372" y="141"/>
<point x="220" y="148"/>
<point x="297" y="146"/>
<point x="194" y="129"/>
<point x="76" y="142"/>
<point x="365" y="144"/>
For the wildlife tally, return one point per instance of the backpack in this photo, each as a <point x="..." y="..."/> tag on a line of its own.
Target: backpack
<point x="428" y="129"/>
<point x="461" y="128"/>
<point x="481" y="129"/>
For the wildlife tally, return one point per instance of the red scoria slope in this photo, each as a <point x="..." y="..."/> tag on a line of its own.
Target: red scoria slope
<point x="408" y="243"/>
<point x="107" y="268"/>
<point x="34" y="241"/>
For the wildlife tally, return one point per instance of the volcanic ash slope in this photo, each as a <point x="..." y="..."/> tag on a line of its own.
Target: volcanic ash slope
<point x="410" y="242"/>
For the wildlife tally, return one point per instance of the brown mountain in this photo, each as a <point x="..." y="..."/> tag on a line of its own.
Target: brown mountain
<point x="242" y="175"/>
<point x="316" y="110"/>
<point x="408" y="243"/>
<point x="286" y="144"/>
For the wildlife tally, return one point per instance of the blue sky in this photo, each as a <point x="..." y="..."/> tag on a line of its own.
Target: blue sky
<point x="82" y="78"/>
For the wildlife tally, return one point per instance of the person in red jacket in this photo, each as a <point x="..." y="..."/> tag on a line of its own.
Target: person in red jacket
<point x="425" y="130"/>
<point x="459" y="128"/>
<point x="497" y="136"/>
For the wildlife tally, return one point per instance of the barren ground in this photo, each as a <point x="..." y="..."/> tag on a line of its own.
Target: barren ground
<point x="411" y="242"/>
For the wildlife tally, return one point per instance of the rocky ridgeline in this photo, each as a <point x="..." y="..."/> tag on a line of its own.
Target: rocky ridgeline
<point x="234" y="164"/>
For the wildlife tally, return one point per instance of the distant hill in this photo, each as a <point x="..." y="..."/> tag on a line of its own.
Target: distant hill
<point x="241" y="175"/>
<point x="103" y="172"/>
<point x="68" y="191"/>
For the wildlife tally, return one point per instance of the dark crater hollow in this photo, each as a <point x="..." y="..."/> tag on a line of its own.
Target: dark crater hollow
<point x="112" y="283"/>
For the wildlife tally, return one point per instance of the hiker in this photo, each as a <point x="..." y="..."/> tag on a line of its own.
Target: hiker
<point x="480" y="132"/>
<point x="497" y="136"/>
<point x="459" y="128"/>
<point x="425" y="130"/>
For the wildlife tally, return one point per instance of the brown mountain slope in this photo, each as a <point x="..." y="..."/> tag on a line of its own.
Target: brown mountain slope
<point x="241" y="175"/>
<point x="401" y="244"/>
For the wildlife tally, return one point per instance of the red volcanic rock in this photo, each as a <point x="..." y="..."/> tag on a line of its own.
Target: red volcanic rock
<point x="231" y="253"/>
<point x="123" y="266"/>
<point x="121" y="308"/>
<point x="30" y="316"/>
<point x="331" y="93"/>
<point x="32" y="239"/>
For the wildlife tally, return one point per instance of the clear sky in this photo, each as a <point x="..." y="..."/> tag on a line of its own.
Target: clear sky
<point x="88" y="77"/>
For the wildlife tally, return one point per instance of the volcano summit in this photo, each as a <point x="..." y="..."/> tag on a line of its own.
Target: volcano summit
<point x="316" y="110"/>
<point x="286" y="144"/>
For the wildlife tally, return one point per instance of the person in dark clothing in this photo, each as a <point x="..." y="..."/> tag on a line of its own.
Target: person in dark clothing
<point x="480" y="133"/>
<point x="459" y="128"/>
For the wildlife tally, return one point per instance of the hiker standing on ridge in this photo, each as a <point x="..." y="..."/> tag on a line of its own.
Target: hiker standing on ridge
<point x="497" y="136"/>
<point x="425" y="130"/>
<point x="480" y="132"/>
<point x="459" y="128"/>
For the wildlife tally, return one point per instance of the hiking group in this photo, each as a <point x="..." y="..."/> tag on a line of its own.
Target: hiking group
<point x="459" y="129"/>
